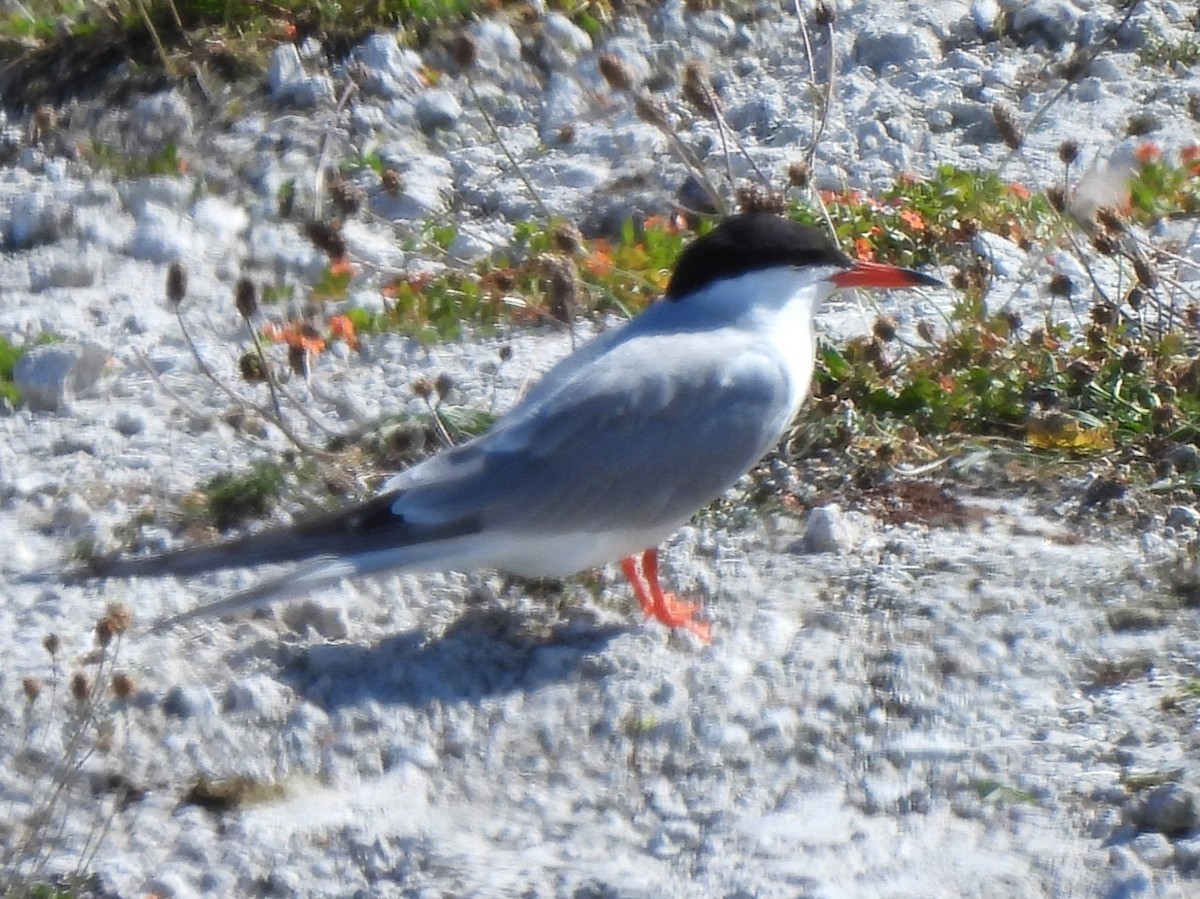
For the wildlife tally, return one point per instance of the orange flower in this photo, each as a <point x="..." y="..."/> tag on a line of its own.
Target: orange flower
<point x="294" y="334"/>
<point x="1190" y="156"/>
<point x="342" y="328"/>
<point x="1147" y="152"/>
<point x="599" y="261"/>
<point x="863" y="250"/>
<point x="672" y="224"/>
<point x="1018" y="190"/>
<point x="913" y="219"/>
<point x="340" y="266"/>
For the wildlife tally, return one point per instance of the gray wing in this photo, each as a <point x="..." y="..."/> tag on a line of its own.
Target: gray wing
<point x="616" y="444"/>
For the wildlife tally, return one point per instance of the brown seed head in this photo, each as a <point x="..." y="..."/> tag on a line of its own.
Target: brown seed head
<point x="615" y="72"/>
<point x="505" y="353"/>
<point x="650" y="111"/>
<point x="1081" y="371"/>
<point x="1192" y="315"/>
<point x="1068" y="151"/>
<point x="1146" y="275"/>
<point x="1008" y="126"/>
<point x="824" y="15"/>
<point x="1057" y="198"/>
<point x="51" y="643"/>
<point x="123" y="685"/>
<point x="1104" y="244"/>
<point x="392" y="182"/>
<point x="327" y="236"/>
<point x="1193" y="106"/>
<point x="696" y="90"/>
<point x="1105" y="314"/>
<point x="176" y="283"/>
<point x="466" y="51"/>
<point x="119" y="617"/>
<point x="298" y="359"/>
<point x="799" y="174"/>
<point x="1133" y="361"/>
<point x="80" y="686"/>
<point x="250" y="366"/>
<point x="104" y="633"/>
<point x="884" y="328"/>
<point x="1110" y="219"/>
<point x="32" y="688"/>
<point x="756" y="198"/>
<point x="1060" y="285"/>
<point x="443" y="385"/>
<point x="925" y="331"/>
<point x="562" y="288"/>
<point x="567" y="239"/>
<point x="1164" y="416"/>
<point x="347" y="196"/>
<point x="244" y="297"/>
<point x="423" y="388"/>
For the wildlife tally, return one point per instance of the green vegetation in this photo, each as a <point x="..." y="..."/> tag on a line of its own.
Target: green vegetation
<point x="10" y="355"/>
<point x="228" y="500"/>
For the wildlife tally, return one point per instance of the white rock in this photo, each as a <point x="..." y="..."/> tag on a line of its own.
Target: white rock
<point x="71" y="513"/>
<point x="883" y="43"/>
<point x="826" y="531"/>
<point x="495" y="41"/>
<point x="565" y="41"/>
<point x="224" y="221"/>
<point x="161" y="235"/>
<point x="259" y="695"/>
<point x="35" y="217"/>
<point x="50" y="376"/>
<point x="161" y="118"/>
<point x="75" y="269"/>
<point x="437" y="110"/>
<point x="389" y="70"/>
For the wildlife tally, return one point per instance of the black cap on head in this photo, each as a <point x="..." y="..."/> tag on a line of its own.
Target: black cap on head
<point x="746" y="243"/>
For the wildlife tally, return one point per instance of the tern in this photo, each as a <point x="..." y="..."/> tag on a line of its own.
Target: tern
<point x="612" y="451"/>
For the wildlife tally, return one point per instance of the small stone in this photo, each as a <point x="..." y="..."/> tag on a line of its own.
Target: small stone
<point x="1154" y="849"/>
<point x="1172" y="809"/>
<point x="71" y="513"/>
<point x="388" y="69"/>
<point x="129" y="423"/>
<point x="437" y="110"/>
<point x="1182" y="517"/>
<point x="189" y="702"/>
<point x="880" y="44"/>
<point x="259" y="696"/>
<point x="565" y="41"/>
<point x="328" y="621"/>
<point x="825" y="531"/>
<point x="49" y="377"/>
<point x="1184" y="458"/>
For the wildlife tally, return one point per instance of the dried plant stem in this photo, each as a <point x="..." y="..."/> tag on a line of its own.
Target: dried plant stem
<point x="512" y="160"/>
<point x="208" y="373"/>
<point x="323" y="158"/>
<point x="158" y="44"/>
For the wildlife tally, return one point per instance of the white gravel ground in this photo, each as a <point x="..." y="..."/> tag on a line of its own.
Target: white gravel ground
<point x="1001" y="710"/>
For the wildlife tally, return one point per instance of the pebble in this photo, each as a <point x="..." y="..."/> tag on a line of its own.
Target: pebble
<point x="825" y="531"/>
<point x="1171" y="809"/>
<point x="49" y="377"/>
<point x="437" y="110"/>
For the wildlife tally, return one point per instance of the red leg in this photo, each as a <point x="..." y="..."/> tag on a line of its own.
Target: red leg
<point x="630" y="567"/>
<point x="666" y="607"/>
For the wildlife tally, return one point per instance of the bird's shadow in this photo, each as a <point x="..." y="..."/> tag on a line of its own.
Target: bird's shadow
<point x="484" y="653"/>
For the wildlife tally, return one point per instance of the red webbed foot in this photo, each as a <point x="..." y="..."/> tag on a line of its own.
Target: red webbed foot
<point x="665" y="607"/>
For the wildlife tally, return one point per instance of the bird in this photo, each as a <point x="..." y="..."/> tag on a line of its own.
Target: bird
<point x="612" y="451"/>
